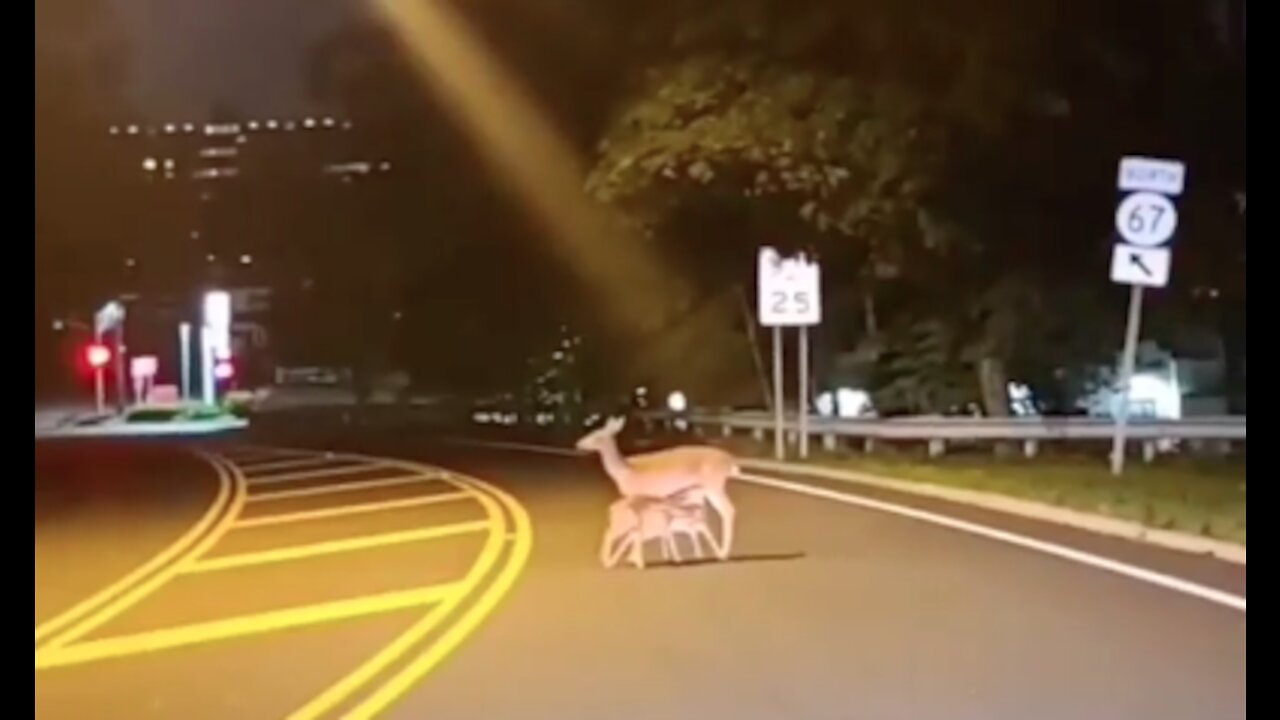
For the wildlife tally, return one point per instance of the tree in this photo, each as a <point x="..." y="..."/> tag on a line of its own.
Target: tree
<point x="830" y="125"/>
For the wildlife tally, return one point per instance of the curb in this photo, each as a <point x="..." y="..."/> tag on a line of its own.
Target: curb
<point x="1170" y="539"/>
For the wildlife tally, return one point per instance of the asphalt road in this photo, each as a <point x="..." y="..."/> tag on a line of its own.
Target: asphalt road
<point x="826" y="610"/>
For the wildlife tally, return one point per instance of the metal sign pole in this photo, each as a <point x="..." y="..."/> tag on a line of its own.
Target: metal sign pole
<point x="122" y="387"/>
<point x="184" y="348"/>
<point x="1127" y="361"/>
<point x="99" y="381"/>
<point x="779" y="417"/>
<point x="802" y="426"/>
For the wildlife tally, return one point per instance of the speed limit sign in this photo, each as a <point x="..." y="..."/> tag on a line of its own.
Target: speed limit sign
<point x="1146" y="219"/>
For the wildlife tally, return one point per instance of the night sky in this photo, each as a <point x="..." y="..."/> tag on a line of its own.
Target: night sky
<point x="247" y="53"/>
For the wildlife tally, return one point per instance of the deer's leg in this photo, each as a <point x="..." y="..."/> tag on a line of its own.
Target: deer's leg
<point x="670" y="539"/>
<point x="725" y="509"/>
<point x="621" y="548"/>
<point x="696" y="541"/>
<point x="705" y="532"/>
<point x="607" y="559"/>
<point x="637" y="550"/>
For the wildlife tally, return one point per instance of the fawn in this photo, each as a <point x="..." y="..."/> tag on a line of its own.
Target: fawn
<point x="638" y="520"/>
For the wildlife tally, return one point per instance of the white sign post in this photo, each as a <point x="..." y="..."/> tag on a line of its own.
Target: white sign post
<point x="1146" y="220"/>
<point x="109" y="317"/>
<point x="789" y="295"/>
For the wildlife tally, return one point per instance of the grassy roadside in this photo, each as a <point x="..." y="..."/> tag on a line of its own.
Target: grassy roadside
<point x="1199" y="496"/>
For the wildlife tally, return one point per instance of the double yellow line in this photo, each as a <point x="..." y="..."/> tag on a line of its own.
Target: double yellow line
<point x="513" y="533"/>
<point x="95" y="610"/>
<point x="384" y="677"/>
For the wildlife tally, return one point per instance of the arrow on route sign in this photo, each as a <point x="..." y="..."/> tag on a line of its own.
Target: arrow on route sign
<point x="1145" y="266"/>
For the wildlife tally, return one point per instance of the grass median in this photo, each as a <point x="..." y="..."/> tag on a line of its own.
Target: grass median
<point x="1201" y="496"/>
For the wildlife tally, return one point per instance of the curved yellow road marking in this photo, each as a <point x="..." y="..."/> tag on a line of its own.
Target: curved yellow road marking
<point x="403" y="681"/>
<point x="141" y="590"/>
<point x="171" y="553"/>
<point x="402" y="645"/>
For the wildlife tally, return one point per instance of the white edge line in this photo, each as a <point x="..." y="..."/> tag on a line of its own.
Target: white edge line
<point x="1134" y="572"/>
<point x="1079" y="556"/>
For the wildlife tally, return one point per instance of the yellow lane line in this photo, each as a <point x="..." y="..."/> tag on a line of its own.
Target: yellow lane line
<point x="330" y="547"/>
<point x="226" y="489"/>
<point x="310" y="474"/>
<point x="269" y="495"/>
<point x="345" y="510"/>
<point x="409" y="676"/>
<point x="256" y="467"/>
<point x="245" y="625"/>
<point x="402" y="645"/>
<point x="164" y="574"/>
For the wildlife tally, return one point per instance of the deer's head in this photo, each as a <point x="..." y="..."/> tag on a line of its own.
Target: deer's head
<point x="599" y="438"/>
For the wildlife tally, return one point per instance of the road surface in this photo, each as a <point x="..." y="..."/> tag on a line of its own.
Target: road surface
<point x="325" y="586"/>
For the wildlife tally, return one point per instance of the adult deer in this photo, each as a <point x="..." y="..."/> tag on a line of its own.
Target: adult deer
<point x="668" y="472"/>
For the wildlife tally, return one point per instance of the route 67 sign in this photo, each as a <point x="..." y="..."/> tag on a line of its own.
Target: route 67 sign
<point x="789" y="290"/>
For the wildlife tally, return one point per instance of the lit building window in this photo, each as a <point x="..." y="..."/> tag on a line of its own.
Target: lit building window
<point x="329" y="122"/>
<point x="253" y="124"/>
<point x="149" y="164"/>
<point x="170" y="128"/>
<point x="246" y="259"/>
<point x="309" y="123"/>
<point x="272" y="124"/>
<point x="188" y="127"/>
<point x="133" y="130"/>
<point x="168" y="163"/>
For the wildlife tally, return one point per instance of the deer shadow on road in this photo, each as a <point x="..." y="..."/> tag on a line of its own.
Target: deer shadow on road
<point x="700" y="562"/>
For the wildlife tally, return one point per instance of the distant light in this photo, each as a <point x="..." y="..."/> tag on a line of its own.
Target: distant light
<point x="132" y="130"/>
<point x="59" y="325"/>
<point x="195" y="234"/>
<point x="272" y="124"/>
<point x="384" y="166"/>
<point x="188" y="127"/>
<point x="290" y="125"/>
<point x="677" y="402"/>
<point x="149" y="164"/>
<point x="170" y="128"/>
<point x="346" y="124"/>
<point x="253" y="124"/>
<point x="329" y="122"/>
<point x="168" y="163"/>
<point x="130" y="262"/>
<point x="1154" y="395"/>
<point x="114" y="130"/>
<point x="309" y="122"/>
<point x="642" y="391"/>
<point x="397" y="315"/>
<point x="98" y="355"/>
<point x="242" y="139"/>
<point x="246" y="259"/>
<point x="223" y="370"/>
<point x="210" y="257"/>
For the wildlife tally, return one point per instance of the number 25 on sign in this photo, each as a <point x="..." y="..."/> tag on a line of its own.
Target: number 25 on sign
<point x="793" y="303"/>
<point x="1146" y="219"/>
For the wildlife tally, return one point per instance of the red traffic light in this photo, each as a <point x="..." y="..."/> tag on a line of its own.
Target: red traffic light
<point x="97" y="355"/>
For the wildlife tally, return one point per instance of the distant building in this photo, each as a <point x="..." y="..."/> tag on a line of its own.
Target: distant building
<point x="198" y="224"/>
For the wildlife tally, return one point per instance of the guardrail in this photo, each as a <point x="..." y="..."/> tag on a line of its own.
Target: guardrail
<point x="937" y="432"/>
